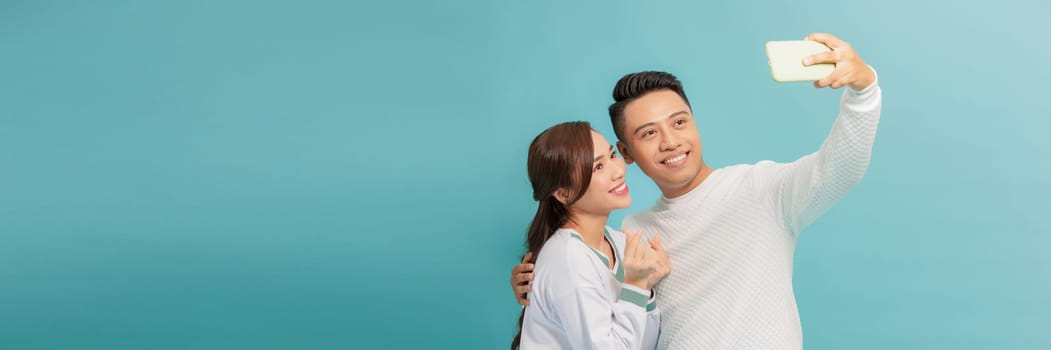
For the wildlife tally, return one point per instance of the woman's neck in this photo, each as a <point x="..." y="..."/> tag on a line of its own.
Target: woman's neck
<point x="591" y="227"/>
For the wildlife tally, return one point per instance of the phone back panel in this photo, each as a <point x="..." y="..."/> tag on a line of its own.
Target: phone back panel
<point x="786" y="60"/>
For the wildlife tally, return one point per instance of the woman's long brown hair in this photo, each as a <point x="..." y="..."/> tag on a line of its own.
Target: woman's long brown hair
<point x="560" y="159"/>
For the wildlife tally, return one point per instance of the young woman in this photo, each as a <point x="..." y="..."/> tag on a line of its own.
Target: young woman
<point x="592" y="287"/>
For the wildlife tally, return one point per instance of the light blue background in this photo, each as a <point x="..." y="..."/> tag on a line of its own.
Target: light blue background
<point x="324" y="174"/>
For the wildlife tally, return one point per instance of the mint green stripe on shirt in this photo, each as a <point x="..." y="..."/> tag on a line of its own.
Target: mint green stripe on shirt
<point x="602" y="257"/>
<point x="634" y="297"/>
<point x="616" y="252"/>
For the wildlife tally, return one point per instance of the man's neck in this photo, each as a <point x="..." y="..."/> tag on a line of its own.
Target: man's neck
<point x="591" y="227"/>
<point x="694" y="183"/>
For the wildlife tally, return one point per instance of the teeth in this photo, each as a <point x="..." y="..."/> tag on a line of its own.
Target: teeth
<point x="619" y="188"/>
<point x="675" y="160"/>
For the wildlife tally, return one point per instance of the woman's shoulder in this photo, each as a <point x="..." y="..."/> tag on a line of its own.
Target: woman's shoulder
<point x="565" y="257"/>
<point x="565" y="246"/>
<point x="562" y="241"/>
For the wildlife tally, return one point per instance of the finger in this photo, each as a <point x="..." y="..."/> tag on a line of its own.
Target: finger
<point x="641" y="246"/>
<point x="526" y="257"/>
<point x="526" y="267"/>
<point x="649" y="256"/>
<point x="627" y="241"/>
<point x="523" y="289"/>
<point x="631" y="245"/>
<point x="819" y="58"/>
<point x="662" y="257"/>
<point x="522" y="299"/>
<point x="523" y="278"/>
<point x="826" y="81"/>
<point x="837" y="84"/>
<point x="842" y="79"/>
<point x="657" y="242"/>
<point x="827" y="39"/>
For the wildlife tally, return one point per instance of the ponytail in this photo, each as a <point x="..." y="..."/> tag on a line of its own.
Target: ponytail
<point x="550" y="215"/>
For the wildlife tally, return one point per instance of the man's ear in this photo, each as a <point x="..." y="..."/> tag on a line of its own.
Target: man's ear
<point x="623" y="148"/>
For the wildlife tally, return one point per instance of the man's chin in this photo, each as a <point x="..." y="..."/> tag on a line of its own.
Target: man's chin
<point x="677" y="185"/>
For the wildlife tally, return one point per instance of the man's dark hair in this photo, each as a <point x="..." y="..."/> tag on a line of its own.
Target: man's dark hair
<point x="634" y="85"/>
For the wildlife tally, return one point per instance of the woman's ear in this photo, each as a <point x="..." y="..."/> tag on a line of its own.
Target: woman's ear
<point x="623" y="149"/>
<point x="562" y="195"/>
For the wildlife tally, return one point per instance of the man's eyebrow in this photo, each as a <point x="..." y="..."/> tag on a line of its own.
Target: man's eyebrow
<point x="673" y="115"/>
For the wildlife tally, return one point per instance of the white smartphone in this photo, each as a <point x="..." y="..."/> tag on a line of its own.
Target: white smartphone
<point x="786" y="60"/>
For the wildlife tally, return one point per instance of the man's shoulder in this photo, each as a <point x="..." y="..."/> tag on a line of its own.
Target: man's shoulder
<point x="760" y="169"/>
<point x="738" y="169"/>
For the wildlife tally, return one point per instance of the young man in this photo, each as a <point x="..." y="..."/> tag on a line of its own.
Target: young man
<point x="731" y="232"/>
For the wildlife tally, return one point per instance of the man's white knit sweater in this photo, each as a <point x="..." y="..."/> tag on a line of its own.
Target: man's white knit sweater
<point x="731" y="239"/>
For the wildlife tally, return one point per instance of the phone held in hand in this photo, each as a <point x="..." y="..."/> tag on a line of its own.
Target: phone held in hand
<point x="786" y="60"/>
